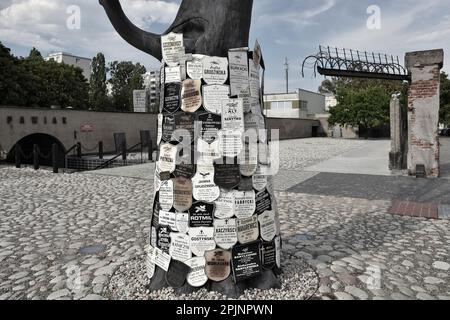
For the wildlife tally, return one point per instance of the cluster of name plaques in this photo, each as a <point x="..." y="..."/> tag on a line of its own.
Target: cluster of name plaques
<point x="213" y="215"/>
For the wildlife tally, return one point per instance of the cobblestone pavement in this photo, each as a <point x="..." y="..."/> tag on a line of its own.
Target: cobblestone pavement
<point x="63" y="236"/>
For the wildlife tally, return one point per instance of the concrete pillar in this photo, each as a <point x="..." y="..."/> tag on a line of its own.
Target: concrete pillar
<point x="396" y="154"/>
<point x="423" y="110"/>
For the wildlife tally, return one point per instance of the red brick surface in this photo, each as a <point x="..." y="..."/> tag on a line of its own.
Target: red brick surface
<point x="414" y="209"/>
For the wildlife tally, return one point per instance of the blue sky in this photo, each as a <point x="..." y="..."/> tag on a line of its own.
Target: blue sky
<point x="285" y="28"/>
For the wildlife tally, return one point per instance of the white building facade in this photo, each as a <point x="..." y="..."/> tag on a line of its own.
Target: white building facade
<point x="302" y="104"/>
<point x="69" y="59"/>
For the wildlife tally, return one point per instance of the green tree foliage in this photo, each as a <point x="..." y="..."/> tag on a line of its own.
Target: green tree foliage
<point x="125" y="77"/>
<point x="445" y="99"/>
<point x="33" y="82"/>
<point x="362" y="103"/>
<point x="11" y="92"/>
<point x="98" y="97"/>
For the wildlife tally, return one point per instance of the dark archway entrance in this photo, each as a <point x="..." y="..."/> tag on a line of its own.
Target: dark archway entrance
<point x="45" y="142"/>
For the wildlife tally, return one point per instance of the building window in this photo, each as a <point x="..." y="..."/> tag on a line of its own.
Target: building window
<point x="22" y="120"/>
<point x="34" y="120"/>
<point x="9" y="119"/>
<point x="64" y="120"/>
<point x="304" y="105"/>
<point x="281" y="105"/>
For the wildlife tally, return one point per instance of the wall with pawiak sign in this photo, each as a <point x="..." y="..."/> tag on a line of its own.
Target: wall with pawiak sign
<point x="70" y="126"/>
<point x="295" y="128"/>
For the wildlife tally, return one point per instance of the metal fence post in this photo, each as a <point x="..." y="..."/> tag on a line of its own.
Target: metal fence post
<point x="36" y="157"/>
<point x="100" y="150"/>
<point x="124" y="152"/>
<point x="79" y="149"/>
<point x="17" y="155"/>
<point x="55" y="157"/>
<point x="150" y="150"/>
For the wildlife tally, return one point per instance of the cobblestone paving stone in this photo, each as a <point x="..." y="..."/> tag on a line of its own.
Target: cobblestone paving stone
<point x="359" y="251"/>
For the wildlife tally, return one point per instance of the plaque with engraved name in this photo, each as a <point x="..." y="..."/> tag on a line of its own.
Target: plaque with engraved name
<point x="201" y="214"/>
<point x="263" y="202"/>
<point x="182" y="222"/>
<point x="215" y="70"/>
<point x="225" y="233"/>
<point x="167" y="218"/>
<point x="239" y="74"/>
<point x="227" y="173"/>
<point x="162" y="259"/>
<point x="244" y="204"/>
<point x="191" y="95"/>
<point x="172" y="97"/>
<point x="209" y="126"/>
<point x="267" y="225"/>
<point x="225" y="205"/>
<point x="167" y="157"/>
<point x="268" y="255"/>
<point x="202" y="239"/>
<point x="173" y="74"/>
<point x="232" y="115"/>
<point x="172" y="47"/>
<point x="184" y="126"/>
<point x="197" y="277"/>
<point x="166" y="195"/>
<point x="218" y="265"/>
<point x="182" y="194"/>
<point x="163" y="239"/>
<point x="246" y="262"/>
<point x="247" y="229"/>
<point x="213" y="96"/>
<point x="180" y="247"/>
<point x="194" y="68"/>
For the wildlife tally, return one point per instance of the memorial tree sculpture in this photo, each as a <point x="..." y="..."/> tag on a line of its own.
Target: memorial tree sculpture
<point x="214" y="222"/>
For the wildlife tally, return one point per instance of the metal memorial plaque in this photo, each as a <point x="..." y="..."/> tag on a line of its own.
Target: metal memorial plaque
<point x="155" y="215"/>
<point x="213" y="96"/>
<point x="167" y="158"/>
<point x="150" y="262"/>
<point x="259" y="180"/>
<point x="225" y="205"/>
<point x="209" y="150"/>
<point x="153" y="237"/>
<point x="197" y="276"/>
<point x="163" y="241"/>
<point x="257" y="53"/>
<point x="204" y="188"/>
<point x="167" y="218"/>
<point x="225" y="233"/>
<point x="209" y="126"/>
<point x="268" y="255"/>
<point x="157" y="179"/>
<point x="166" y="195"/>
<point x="247" y="229"/>
<point x="244" y="204"/>
<point x="263" y="202"/>
<point x="263" y="153"/>
<point x="278" y="251"/>
<point x="177" y="274"/>
<point x="215" y="70"/>
<point x="255" y="106"/>
<point x="230" y="143"/>
<point x="172" y="46"/>
<point x="172" y="97"/>
<point x="267" y="225"/>
<point x="184" y="123"/>
<point x="168" y="128"/>
<point x="246" y="262"/>
<point x="255" y="85"/>
<point x="227" y="173"/>
<point x="248" y="159"/>
<point x="182" y="222"/>
<point x="202" y="239"/>
<point x="239" y="74"/>
<point x="233" y="115"/>
<point x="184" y="167"/>
<point x="160" y="128"/>
<point x="182" y="194"/>
<point x="162" y="259"/>
<point x="194" y="68"/>
<point x="180" y="247"/>
<point x="201" y="215"/>
<point x="218" y="265"/>
<point x="246" y="102"/>
<point x="246" y="185"/>
<point x="173" y="74"/>
<point x="254" y="122"/>
<point x="191" y="95"/>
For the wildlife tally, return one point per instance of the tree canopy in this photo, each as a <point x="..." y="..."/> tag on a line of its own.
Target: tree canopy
<point x="445" y="99"/>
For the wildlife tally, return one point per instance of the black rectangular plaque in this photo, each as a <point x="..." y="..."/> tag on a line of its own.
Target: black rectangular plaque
<point x="246" y="261"/>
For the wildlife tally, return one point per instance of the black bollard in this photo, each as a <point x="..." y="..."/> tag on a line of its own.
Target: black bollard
<point x="36" y="157"/>
<point x="100" y="150"/>
<point x="79" y="149"/>
<point x="124" y="152"/>
<point x="150" y="150"/>
<point x="55" y="157"/>
<point x="17" y="155"/>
